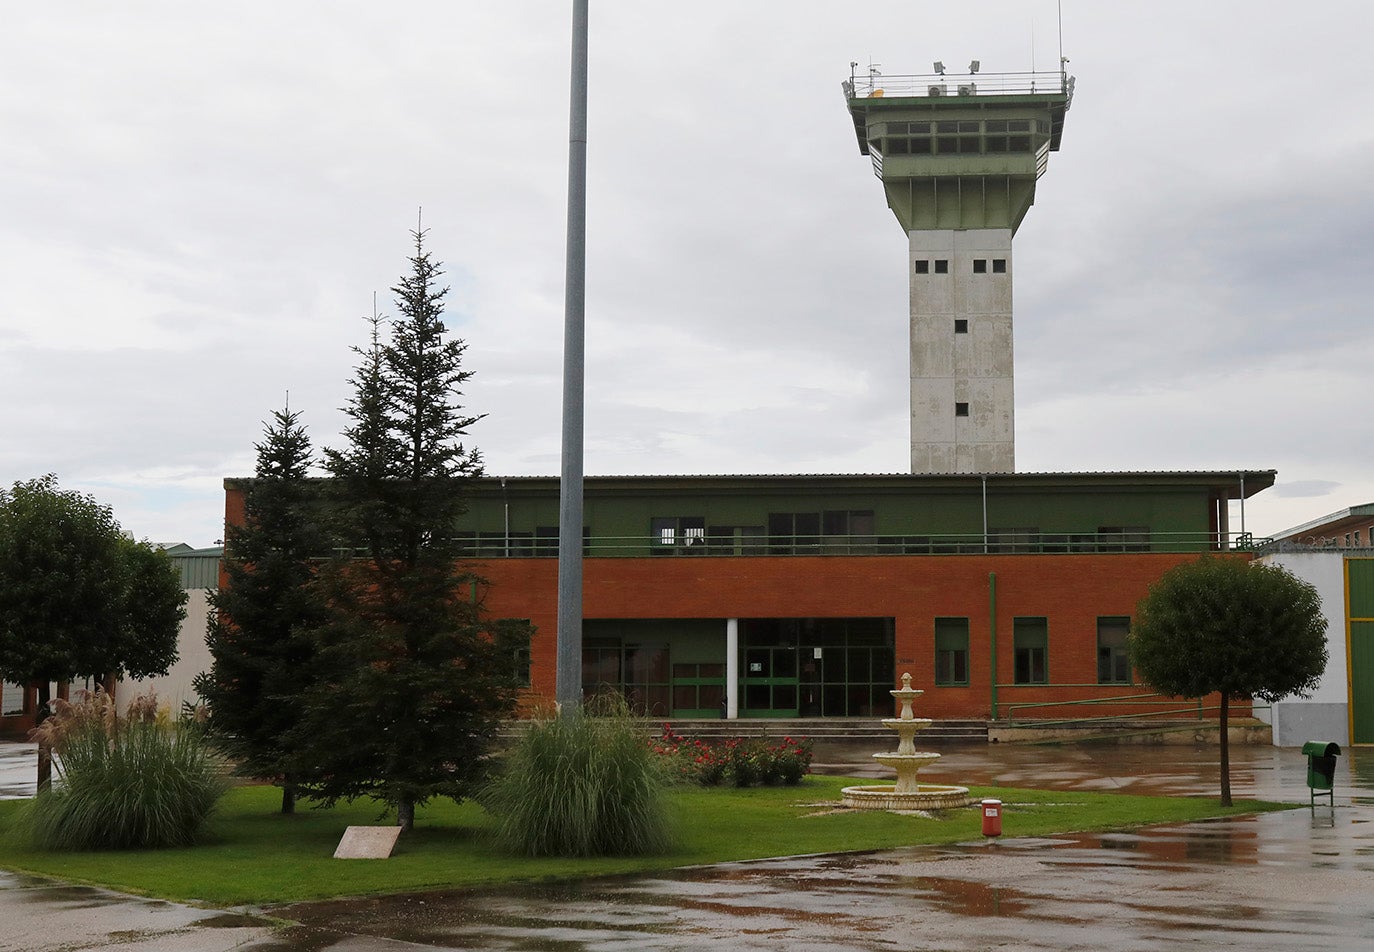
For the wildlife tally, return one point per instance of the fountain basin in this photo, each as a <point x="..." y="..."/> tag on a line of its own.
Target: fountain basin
<point x="927" y="796"/>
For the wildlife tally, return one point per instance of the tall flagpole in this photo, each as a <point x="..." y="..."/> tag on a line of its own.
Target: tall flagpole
<point x="569" y="673"/>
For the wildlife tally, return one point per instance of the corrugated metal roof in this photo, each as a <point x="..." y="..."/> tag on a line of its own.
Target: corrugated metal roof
<point x="199" y="568"/>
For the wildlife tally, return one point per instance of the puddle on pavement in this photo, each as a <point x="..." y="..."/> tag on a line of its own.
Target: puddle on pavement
<point x="966" y="898"/>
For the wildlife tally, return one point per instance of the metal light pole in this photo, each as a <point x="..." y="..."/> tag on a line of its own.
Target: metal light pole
<point x="568" y="691"/>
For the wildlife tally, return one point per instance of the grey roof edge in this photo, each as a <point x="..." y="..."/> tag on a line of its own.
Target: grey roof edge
<point x="1352" y="512"/>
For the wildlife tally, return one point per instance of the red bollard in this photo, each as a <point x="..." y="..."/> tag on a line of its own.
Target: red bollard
<point x="992" y="817"/>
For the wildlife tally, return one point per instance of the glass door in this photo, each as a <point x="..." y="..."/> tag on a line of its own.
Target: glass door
<point x="770" y="682"/>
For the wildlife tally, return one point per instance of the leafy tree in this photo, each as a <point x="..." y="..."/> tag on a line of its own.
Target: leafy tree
<point x="413" y="678"/>
<point x="77" y="598"/>
<point x="261" y="623"/>
<point x="1223" y="625"/>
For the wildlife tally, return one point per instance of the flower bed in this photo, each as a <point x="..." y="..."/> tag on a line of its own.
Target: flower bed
<point x="739" y="761"/>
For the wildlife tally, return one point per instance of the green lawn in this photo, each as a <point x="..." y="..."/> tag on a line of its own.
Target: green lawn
<point x="256" y="856"/>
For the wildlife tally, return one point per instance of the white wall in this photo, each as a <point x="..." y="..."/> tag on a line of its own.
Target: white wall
<point x="1325" y="716"/>
<point x="193" y="658"/>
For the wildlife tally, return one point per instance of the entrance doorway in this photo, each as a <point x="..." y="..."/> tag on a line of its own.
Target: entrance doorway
<point x="770" y="681"/>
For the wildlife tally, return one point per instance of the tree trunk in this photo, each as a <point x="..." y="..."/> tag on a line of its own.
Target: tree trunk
<point x="405" y="814"/>
<point x="288" y="796"/>
<point x="1225" y="750"/>
<point x="44" y="751"/>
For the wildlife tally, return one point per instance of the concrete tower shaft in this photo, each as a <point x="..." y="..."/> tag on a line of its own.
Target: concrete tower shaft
<point x="959" y="161"/>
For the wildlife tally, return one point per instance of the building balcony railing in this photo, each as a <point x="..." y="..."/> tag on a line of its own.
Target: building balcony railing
<point x="495" y="545"/>
<point x="876" y="85"/>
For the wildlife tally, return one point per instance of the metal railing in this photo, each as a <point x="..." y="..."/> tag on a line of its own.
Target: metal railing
<point x="1168" y="708"/>
<point x="495" y="545"/>
<point x="876" y="85"/>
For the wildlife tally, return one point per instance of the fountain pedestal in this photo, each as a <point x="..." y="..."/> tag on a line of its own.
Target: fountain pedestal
<point x="907" y="793"/>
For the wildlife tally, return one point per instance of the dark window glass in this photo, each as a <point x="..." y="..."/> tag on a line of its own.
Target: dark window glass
<point x="923" y="266"/>
<point x="1030" y="647"/>
<point x="1018" y="125"/>
<point x="898" y="147"/>
<point x="947" y="146"/>
<point x="960" y="325"/>
<point x="1113" y="662"/>
<point x="678" y="535"/>
<point x="961" y="409"/>
<point x="942" y="266"/>
<point x="946" y="127"/>
<point x="999" y="265"/>
<point x="1019" y="144"/>
<point x="980" y="265"/>
<point x="951" y="651"/>
<point x="995" y="125"/>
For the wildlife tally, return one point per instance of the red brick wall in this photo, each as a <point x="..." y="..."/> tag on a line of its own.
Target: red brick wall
<point x="1072" y="591"/>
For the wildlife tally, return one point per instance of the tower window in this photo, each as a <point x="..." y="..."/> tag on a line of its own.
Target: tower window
<point x="923" y="267"/>
<point x="961" y="409"/>
<point x="980" y="265"/>
<point x="960" y="325"/>
<point x="999" y="265"/>
<point x="942" y="266"/>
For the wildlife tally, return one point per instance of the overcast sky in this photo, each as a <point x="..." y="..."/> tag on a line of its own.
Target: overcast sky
<point x="198" y="202"/>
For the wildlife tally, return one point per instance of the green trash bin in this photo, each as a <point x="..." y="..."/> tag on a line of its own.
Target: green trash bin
<point x="1321" y="769"/>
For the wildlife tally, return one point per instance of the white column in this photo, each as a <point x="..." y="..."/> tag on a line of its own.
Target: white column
<point x="732" y="668"/>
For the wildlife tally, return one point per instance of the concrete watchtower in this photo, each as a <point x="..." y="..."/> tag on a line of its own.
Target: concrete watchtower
<point x="959" y="158"/>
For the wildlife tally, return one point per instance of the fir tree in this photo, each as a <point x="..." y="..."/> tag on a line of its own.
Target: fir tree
<point x="262" y="623"/>
<point x="414" y="679"/>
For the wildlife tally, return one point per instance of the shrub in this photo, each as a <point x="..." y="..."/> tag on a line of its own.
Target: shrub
<point x="582" y="785"/>
<point x="138" y="782"/>
<point x="743" y="762"/>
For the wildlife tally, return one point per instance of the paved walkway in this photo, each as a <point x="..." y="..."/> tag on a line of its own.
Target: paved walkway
<point x="1301" y="879"/>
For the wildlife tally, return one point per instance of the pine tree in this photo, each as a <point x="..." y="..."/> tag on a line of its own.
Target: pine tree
<point x="414" y="679"/>
<point x="262" y="623"/>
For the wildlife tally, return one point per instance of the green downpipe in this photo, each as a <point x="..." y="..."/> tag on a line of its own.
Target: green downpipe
<point x="992" y="637"/>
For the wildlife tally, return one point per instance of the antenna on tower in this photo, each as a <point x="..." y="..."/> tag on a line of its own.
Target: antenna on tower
<point x="1059" y="8"/>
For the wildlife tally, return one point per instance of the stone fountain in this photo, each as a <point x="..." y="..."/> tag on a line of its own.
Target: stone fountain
<point x="907" y="793"/>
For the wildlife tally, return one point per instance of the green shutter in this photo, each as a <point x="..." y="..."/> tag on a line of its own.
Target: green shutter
<point x="1361" y="576"/>
<point x="1362" y="681"/>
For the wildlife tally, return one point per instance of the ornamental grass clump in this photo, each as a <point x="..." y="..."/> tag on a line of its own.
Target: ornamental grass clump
<point x="133" y="782"/>
<point x="581" y="785"/>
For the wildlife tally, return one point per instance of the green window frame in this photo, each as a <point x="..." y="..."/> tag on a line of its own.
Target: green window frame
<point x="1031" y="650"/>
<point x="951" y="652"/>
<point x="1113" y="659"/>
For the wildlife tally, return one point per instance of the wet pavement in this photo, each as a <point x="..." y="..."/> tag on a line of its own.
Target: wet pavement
<point x="18" y="770"/>
<point x="1300" y="879"/>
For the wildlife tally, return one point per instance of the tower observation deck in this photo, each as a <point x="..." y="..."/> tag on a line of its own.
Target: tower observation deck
<point x="959" y="157"/>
